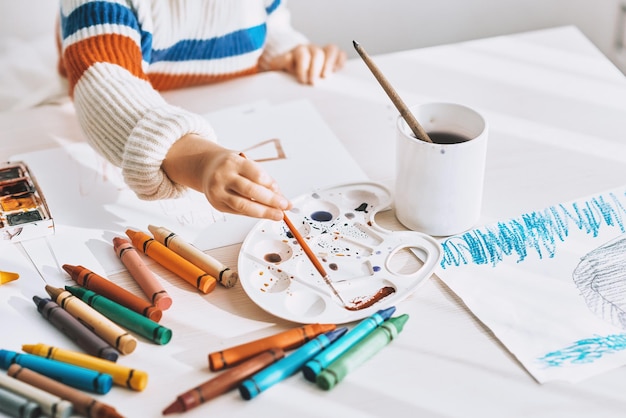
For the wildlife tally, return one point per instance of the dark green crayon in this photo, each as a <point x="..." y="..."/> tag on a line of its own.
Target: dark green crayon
<point x="360" y="352"/>
<point x="123" y="316"/>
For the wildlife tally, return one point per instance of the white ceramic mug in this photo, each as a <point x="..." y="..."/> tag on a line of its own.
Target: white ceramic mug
<point x="439" y="187"/>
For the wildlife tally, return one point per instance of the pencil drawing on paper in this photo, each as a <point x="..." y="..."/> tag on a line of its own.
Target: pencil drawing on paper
<point x="534" y="233"/>
<point x="601" y="279"/>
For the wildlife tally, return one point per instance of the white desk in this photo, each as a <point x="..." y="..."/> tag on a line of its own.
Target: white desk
<point x="557" y="110"/>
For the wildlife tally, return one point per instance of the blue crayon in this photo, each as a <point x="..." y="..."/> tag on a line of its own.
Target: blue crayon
<point x="313" y="367"/>
<point x="75" y="376"/>
<point x="17" y="406"/>
<point x="287" y="366"/>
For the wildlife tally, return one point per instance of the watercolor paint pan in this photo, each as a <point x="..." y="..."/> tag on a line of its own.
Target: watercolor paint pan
<point x="24" y="213"/>
<point x="359" y="255"/>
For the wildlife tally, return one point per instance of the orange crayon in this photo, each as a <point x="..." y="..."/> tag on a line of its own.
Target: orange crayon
<point x="106" y="329"/>
<point x="141" y="273"/>
<point x="285" y="340"/>
<point x="172" y="261"/>
<point x="225" y="276"/>
<point x="92" y="281"/>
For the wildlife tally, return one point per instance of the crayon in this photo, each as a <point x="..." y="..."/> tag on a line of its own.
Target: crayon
<point x="74" y="329"/>
<point x="172" y="261"/>
<point x="7" y="276"/>
<point x="224" y="382"/>
<point x="288" y="366"/>
<point x="141" y="273"/>
<point x="109" y="331"/>
<point x="51" y="405"/>
<point x="75" y="376"/>
<point x="313" y="367"/>
<point x="123" y="316"/>
<point x="286" y="340"/>
<point x="124" y="376"/>
<point x="17" y="406"/>
<point x="83" y="404"/>
<point x="92" y="281"/>
<point x="360" y="352"/>
<point x="225" y="276"/>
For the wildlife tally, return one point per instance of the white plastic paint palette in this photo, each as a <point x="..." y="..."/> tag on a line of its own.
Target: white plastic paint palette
<point x="339" y="226"/>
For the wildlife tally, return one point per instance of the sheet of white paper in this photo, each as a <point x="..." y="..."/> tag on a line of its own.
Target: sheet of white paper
<point x="550" y="284"/>
<point x="91" y="204"/>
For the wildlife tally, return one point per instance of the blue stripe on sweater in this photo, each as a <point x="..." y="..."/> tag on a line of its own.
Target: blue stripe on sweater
<point x="233" y="44"/>
<point x="269" y="9"/>
<point x="100" y="13"/>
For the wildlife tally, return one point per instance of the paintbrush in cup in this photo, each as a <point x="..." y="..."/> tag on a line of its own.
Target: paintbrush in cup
<point x="309" y="253"/>
<point x="406" y="114"/>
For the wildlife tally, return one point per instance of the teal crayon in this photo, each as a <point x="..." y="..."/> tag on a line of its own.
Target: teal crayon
<point x="84" y="337"/>
<point x="361" y="352"/>
<point x="313" y="367"/>
<point x="287" y="366"/>
<point x="123" y="316"/>
<point x="75" y="376"/>
<point x="17" y="406"/>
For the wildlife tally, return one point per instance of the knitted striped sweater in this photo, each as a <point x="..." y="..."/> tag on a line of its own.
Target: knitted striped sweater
<point x="118" y="54"/>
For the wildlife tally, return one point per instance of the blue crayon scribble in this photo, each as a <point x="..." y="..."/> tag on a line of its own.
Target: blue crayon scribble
<point x="585" y="351"/>
<point x="535" y="232"/>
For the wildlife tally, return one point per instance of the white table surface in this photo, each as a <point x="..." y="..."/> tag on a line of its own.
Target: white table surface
<point x="557" y="113"/>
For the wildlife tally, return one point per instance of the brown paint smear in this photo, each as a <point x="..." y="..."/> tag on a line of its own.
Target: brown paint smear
<point x="362" y="303"/>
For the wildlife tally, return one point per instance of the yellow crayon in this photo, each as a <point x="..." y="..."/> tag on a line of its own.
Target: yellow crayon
<point x="122" y="375"/>
<point x="7" y="276"/>
<point x="106" y="329"/>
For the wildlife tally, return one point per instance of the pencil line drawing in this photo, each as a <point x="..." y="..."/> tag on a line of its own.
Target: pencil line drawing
<point x="601" y="279"/>
<point x="537" y="232"/>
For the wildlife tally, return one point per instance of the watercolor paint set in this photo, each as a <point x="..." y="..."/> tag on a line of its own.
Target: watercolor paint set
<point x="24" y="212"/>
<point x="360" y="257"/>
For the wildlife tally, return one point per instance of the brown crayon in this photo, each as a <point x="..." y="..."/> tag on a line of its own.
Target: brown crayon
<point x="141" y="273"/>
<point x="224" y="382"/>
<point x="92" y="281"/>
<point x="172" y="261"/>
<point x="285" y="340"/>
<point x="83" y="403"/>
<point x="109" y="331"/>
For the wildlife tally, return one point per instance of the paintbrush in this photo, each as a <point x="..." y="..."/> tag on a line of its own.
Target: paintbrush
<point x="417" y="129"/>
<point x="309" y="253"/>
<point x="312" y="257"/>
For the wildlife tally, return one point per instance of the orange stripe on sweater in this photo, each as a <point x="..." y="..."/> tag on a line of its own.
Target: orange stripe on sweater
<point x="111" y="48"/>
<point x="162" y="81"/>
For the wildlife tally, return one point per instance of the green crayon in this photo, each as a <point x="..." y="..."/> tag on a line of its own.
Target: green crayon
<point x="360" y="352"/>
<point x="123" y="316"/>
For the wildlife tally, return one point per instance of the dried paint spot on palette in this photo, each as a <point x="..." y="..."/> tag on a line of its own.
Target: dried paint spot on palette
<point x="24" y="212"/>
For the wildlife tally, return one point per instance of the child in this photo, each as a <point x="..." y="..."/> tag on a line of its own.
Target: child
<point x="118" y="54"/>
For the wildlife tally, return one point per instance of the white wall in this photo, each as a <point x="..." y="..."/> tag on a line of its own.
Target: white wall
<point x="392" y="25"/>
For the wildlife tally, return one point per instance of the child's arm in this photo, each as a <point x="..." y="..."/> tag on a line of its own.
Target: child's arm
<point x="230" y="182"/>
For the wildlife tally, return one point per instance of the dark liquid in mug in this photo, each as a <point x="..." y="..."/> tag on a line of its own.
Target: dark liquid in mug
<point x="439" y="137"/>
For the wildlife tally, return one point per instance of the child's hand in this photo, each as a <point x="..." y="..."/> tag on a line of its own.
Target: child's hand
<point x="310" y="62"/>
<point x="230" y="182"/>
